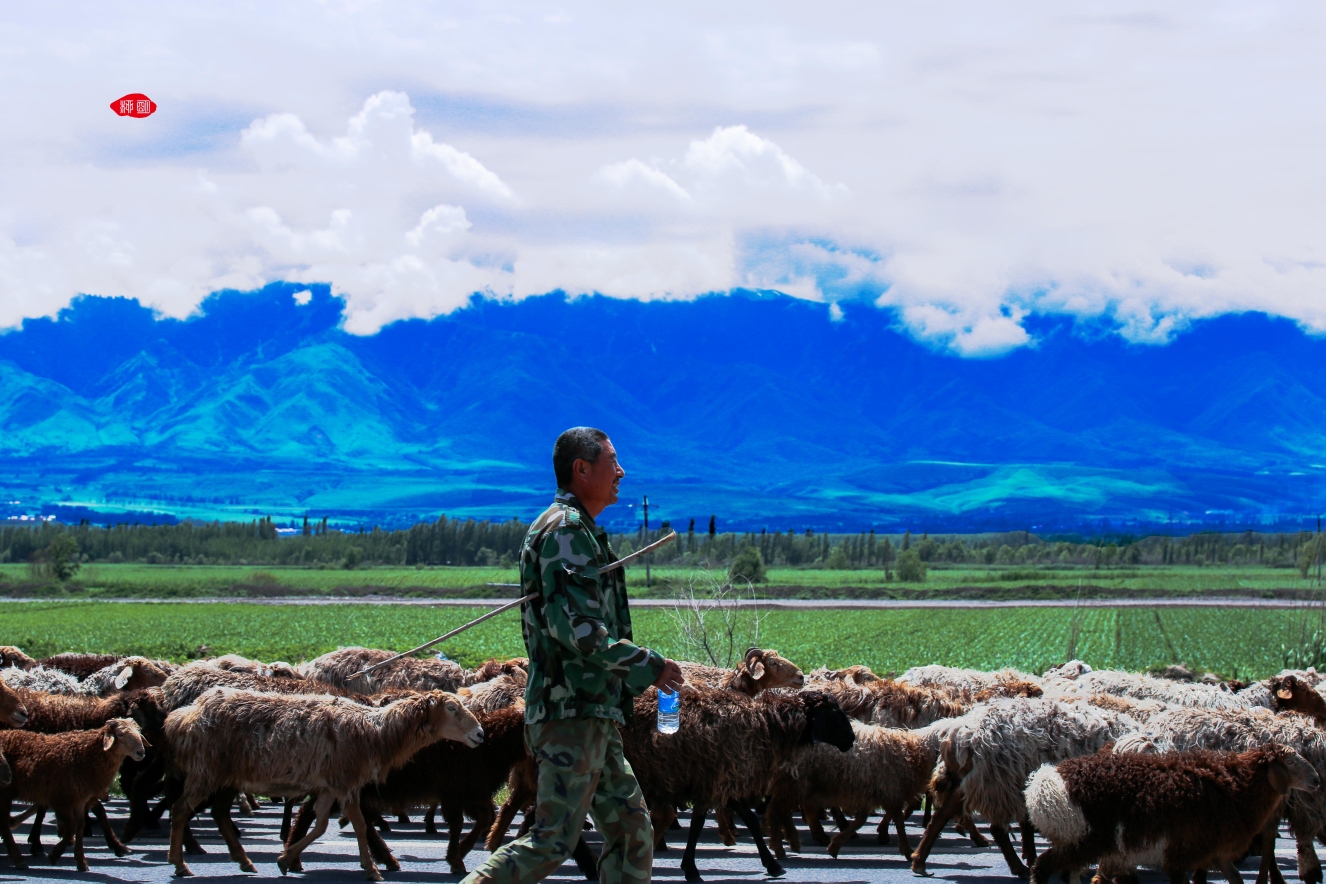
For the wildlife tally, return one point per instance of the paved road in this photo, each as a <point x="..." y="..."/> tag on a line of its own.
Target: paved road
<point x="763" y="604"/>
<point x="334" y="858"/>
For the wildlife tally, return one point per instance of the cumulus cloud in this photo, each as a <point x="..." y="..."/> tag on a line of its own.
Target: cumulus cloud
<point x="958" y="164"/>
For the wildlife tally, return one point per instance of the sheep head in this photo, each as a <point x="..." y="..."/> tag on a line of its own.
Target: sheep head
<point x="138" y="673"/>
<point x="1289" y="771"/>
<point x="770" y="670"/>
<point x="448" y="719"/>
<point x="12" y="656"/>
<point x="826" y="722"/>
<point x="122" y="735"/>
<point x="12" y="709"/>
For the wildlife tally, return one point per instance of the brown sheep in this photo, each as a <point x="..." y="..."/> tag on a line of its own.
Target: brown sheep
<point x="729" y="748"/>
<point x="1292" y="695"/>
<point x="231" y="741"/>
<point x="12" y="656"/>
<point x="759" y="670"/>
<point x="1183" y="811"/>
<point x="516" y="669"/>
<point x="64" y="772"/>
<point x="80" y="666"/>
<point x="339" y="667"/>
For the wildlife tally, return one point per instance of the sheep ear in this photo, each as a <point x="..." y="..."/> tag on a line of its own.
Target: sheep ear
<point x="757" y="671"/>
<point x="432" y="701"/>
<point x="107" y="741"/>
<point x="1285" y="694"/>
<point x="123" y="678"/>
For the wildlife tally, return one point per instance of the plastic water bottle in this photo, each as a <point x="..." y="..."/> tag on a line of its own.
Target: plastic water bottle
<point x="669" y="712"/>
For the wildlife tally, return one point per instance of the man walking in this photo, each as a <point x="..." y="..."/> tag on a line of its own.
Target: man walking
<point x="583" y="672"/>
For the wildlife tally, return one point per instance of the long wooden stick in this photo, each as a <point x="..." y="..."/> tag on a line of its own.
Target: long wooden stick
<point x="613" y="566"/>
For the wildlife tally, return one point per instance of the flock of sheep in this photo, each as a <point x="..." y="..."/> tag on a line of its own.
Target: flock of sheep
<point x="1116" y="770"/>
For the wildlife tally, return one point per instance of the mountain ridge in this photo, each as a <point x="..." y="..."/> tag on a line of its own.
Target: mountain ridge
<point x="761" y="408"/>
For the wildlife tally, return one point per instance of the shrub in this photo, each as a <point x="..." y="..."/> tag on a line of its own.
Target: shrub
<point x="748" y="565"/>
<point x="910" y="567"/>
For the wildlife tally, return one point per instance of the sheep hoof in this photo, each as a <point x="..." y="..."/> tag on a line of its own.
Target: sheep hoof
<point x="372" y="875"/>
<point x="193" y="849"/>
<point x="774" y="870"/>
<point x="729" y="841"/>
<point x="121" y="850"/>
<point x="283" y="864"/>
<point x="248" y="866"/>
<point x="456" y="868"/>
<point x="1312" y="877"/>
<point x="182" y="871"/>
<point x="918" y="868"/>
<point x="693" y="875"/>
<point x="83" y="867"/>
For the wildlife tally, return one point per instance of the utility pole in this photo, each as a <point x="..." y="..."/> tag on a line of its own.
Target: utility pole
<point x="645" y="507"/>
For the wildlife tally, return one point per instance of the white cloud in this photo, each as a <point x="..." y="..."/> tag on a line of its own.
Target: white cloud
<point x="959" y="163"/>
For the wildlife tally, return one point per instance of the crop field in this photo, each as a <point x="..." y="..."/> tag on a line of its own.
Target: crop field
<point x="204" y="581"/>
<point x="1233" y="642"/>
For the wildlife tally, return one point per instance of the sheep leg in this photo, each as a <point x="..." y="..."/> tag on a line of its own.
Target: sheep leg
<point x="351" y="808"/>
<point x="772" y="867"/>
<point x="1230" y="871"/>
<point x="70" y="824"/>
<point x="180" y="812"/>
<point x="1028" y="841"/>
<point x="661" y="820"/>
<point x="290" y="802"/>
<point x="1309" y="865"/>
<point x="847" y="832"/>
<point x="813" y="815"/>
<point x="585" y="860"/>
<point x="778" y="819"/>
<point x="942" y="815"/>
<point x="34" y="834"/>
<point x="378" y="847"/>
<point x="1268" y="870"/>
<point x="289" y="859"/>
<point x="927" y="806"/>
<point x="904" y="843"/>
<point x="302" y="822"/>
<point x="882" y="830"/>
<point x="484" y="814"/>
<point x="140" y="793"/>
<point x="221" y="807"/>
<point x="430" y="820"/>
<point x="1066" y="858"/>
<point x="7" y="833"/>
<point x="1015" y="864"/>
<point x="726" y="832"/>
<point x="688" y="858"/>
<point x="520" y="793"/>
<point x="455" y="820"/>
<point x="114" y="843"/>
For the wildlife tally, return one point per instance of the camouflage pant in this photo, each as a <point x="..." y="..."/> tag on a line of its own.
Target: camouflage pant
<point x="581" y="769"/>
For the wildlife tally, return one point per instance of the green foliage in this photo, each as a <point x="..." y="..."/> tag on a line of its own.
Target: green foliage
<point x="61" y="557"/>
<point x="748" y="565"/>
<point x="1230" y="641"/>
<point x="910" y="567"/>
<point x="352" y="556"/>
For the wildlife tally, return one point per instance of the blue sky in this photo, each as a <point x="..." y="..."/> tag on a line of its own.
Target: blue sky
<point x="963" y="164"/>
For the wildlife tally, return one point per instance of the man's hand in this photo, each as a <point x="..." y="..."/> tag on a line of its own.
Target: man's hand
<point x="671" y="679"/>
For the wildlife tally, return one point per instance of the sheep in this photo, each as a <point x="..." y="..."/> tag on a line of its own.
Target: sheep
<point x="1289" y="693"/>
<point x="340" y="667"/>
<point x="12" y="656"/>
<point x="1146" y="687"/>
<point x="64" y="772"/>
<point x="459" y="779"/>
<point x="56" y="713"/>
<point x="759" y="670"/>
<point x="1185" y="811"/>
<point x="80" y="666"/>
<point x="192" y="681"/>
<point x="231" y="741"/>
<point x="965" y="680"/>
<point x="515" y="669"/>
<point x="1236" y="730"/>
<point x="886" y="767"/>
<point x="989" y="753"/>
<point x="236" y="663"/>
<point x="126" y="674"/>
<point x="894" y="703"/>
<point x="729" y="748"/>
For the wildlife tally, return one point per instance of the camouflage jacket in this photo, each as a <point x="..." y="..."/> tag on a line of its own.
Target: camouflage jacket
<point x="582" y="662"/>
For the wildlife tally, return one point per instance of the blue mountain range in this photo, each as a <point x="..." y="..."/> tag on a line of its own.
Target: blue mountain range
<point x="759" y="408"/>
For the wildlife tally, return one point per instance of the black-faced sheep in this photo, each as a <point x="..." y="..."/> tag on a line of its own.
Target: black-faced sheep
<point x="64" y="772"/>
<point x="1182" y="811"/>
<point x="238" y="741"/>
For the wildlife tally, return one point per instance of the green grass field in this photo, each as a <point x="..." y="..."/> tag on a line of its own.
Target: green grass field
<point x="203" y="581"/>
<point x="1243" y="642"/>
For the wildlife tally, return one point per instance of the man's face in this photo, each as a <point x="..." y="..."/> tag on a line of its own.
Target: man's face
<point x="597" y="483"/>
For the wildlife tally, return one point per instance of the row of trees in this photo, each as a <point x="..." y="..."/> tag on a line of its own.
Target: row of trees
<point x="469" y="542"/>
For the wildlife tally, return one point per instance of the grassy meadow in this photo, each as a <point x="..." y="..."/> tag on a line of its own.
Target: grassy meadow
<point x="170" y="581"/>
<point x="1230" y="641"/>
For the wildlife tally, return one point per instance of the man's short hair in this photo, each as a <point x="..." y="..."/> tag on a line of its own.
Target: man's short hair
<point x="577" y="443"/>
